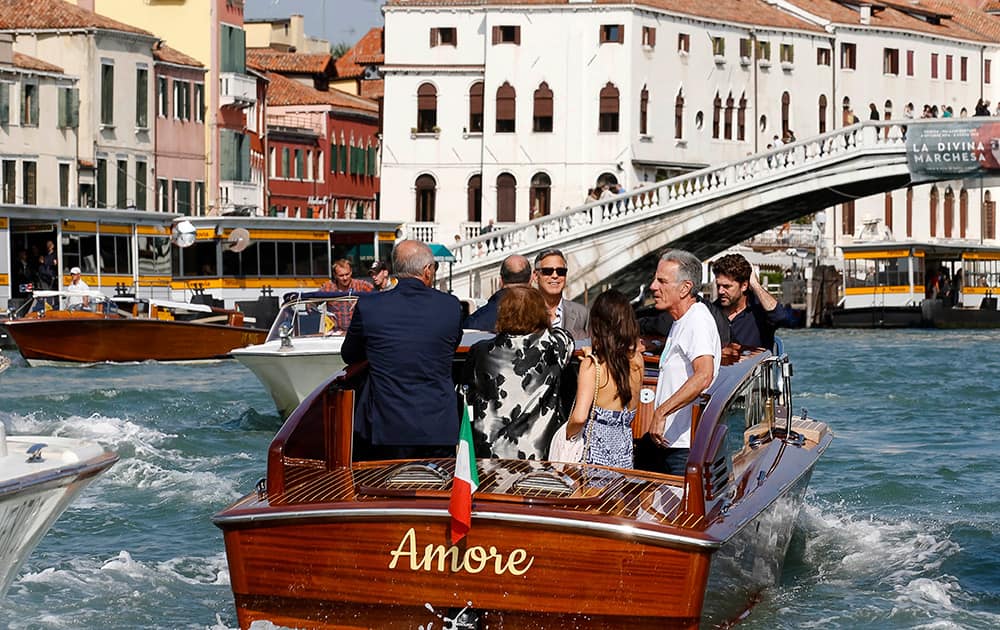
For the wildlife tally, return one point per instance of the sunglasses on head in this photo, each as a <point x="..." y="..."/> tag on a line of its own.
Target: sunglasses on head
<point x="548" y="271"/>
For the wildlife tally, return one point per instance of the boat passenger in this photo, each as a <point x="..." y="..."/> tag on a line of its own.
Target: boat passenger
<point x="514" y="379"/>
<point x="515" y="271"/>
<point x="408" y="407"/>
<point x="615" y="362"/>
<point x="688" y="365"/>
<point x="752" y="312"/>
<point x="343" y="279"/>
<point x="379" y="273"/>
<point x="77" y="289"/>
<point x="550" y="278"/>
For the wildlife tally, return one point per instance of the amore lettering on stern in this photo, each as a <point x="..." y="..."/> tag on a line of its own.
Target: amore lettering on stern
<point x="475" y="559"/>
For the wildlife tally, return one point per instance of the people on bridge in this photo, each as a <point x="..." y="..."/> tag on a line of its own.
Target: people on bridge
<point x="752" y="312"/>
<point x="550" y="278"/>
<point x="408" y="407"/>
<point x="515" y="271"/>
<point x="688" y="365"/>
<point x="515" y="379"/>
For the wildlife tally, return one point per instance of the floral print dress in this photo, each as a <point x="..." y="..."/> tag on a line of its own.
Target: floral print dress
<point x="514" y="392"/>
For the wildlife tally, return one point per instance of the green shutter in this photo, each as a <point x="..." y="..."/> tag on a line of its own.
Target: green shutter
<point x="63" y="102"/>
<point x="333" y="158"/>
<point x="226" y="50"/>
<point x="286" y="160"/>
<point x="372" y="161"/>
<point x="300" y="164"/>
<point x="102" y="183"/>
<point x="33" y="105"/>
<point x="141" y="98"/>
<point x="227" y="146"/>
<point x="4" y="104"/>
<point x="74" y="108"/>
<point x="107" y="94"/>
<point x="244" y="149"/>
<point x="140" y="185"/>
<point x="343" y="158"/>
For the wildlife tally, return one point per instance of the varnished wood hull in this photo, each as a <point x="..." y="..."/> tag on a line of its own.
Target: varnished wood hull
<point x="95" y="340"/>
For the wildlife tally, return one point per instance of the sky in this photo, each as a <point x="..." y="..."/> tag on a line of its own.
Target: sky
<point x="345" y="20"/>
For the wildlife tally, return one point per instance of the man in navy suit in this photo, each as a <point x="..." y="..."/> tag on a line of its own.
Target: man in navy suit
<point x="408" y="407"/>
<point x="515" y="271"/>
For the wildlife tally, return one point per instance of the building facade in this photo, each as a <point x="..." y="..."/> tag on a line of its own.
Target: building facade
<point x="180" y="132"/>
<point x="284" y="34"/>
<point x="512" y="110"/>
<point x="39" y="118"/>
<point x="210" y="31"/>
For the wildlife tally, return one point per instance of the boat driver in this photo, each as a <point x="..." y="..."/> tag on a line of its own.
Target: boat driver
<point x="78" y="291"/>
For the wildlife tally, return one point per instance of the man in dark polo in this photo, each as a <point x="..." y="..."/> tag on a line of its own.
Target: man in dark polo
<point x="408" y="407"/>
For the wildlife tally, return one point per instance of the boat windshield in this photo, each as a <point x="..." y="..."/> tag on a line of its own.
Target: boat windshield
<point x="314" y="317"/>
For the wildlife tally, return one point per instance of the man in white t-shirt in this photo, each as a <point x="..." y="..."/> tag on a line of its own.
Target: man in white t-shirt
<point x="78" y="290"/>
<point x="688" y="365"/>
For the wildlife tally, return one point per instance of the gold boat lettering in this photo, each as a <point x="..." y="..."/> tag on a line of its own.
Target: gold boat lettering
<point x="474" y="560"/>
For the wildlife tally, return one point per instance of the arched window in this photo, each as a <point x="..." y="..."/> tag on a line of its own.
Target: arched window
<point x="506" y="108"/>
<point x="741" y="118"/>
<point x="909" y="211"/>
<point x="540" y="195"/>
<point x="542" y="120"/>
<point x="679" y="115"/>
<point x="822" y="113"/>
<point x="888" y="210"/>
<point x="643" y="107"/>
<point x="949" y="211"/>
<point x="475" y="209"/>
<point x="426" y="192"/>
<point x="476" y="107"/>
<point x="426" y="108"/>
<point x="506" y="198"/>
<point x="608" y="119"/>
<point x="716" y="115"/>
<point x="606" y="178"/>
<point x="989" y="216"/>
<point x="786" y="102"/>
<point x="933" y="209"/>
<point x="729" y="117"/>
<point x="963" y="213"/>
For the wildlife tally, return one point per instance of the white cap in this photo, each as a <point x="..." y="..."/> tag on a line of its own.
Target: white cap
<point x="75" y="271"/>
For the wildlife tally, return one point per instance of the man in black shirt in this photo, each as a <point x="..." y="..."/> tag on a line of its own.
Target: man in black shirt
<point x="753" y="313"/>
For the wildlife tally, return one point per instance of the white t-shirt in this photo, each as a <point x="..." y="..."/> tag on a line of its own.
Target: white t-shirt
<point x="692" y="336"/>
<point x="79" y="287"/>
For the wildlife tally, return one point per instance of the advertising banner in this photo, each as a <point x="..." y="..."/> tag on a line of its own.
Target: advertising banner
<point x="953" y="150"/>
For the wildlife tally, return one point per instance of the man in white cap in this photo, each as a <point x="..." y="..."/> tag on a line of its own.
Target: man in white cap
<point x="79" y="290"/>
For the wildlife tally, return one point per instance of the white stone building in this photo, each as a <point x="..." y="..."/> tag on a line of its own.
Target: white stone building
<point x="506" y="110"/>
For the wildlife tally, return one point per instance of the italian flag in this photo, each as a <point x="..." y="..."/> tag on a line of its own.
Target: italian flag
<point x="465" y="483"/>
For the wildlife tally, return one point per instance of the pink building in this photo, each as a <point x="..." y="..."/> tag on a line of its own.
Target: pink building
<point x="180" y="131"/>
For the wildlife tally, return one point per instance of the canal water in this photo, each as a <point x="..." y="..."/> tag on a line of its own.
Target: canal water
<point x="901" y="527"/>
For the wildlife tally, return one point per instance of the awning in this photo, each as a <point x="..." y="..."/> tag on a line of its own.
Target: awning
<point x="441" y="253"/>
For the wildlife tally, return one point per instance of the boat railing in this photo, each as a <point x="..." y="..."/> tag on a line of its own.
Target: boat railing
<point x="759" y="388"/>
<point x="314" y="317"/>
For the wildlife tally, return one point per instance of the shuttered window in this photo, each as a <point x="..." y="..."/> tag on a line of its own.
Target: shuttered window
<point x="233" y="50"/>
<point x="142" y="98"/>
<point x="506" y="108"/>
<point x="30" y="189"/>
<point x="476" y="107"/>
<point x="68" y="108"/>
<point x="612" y="34"/>
<point x="506" y="198"/>
<point x="542" y="120"/>
<point x="608" y="119"/>
<point x="643" y="111"/>
<point x="102" y="183"/>
<point x="507" y="34"/>
<point x="29" y="104"/>
<point x="121" y="184"/>
<point x="235" y="156"/>
<point x="107" y="94"/>
<point x="4" y="104"/>
<point x="426" y="108"/>
<point x="140" y="185"/>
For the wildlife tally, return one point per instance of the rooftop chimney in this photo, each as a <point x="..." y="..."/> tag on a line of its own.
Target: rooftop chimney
<point x="866" y="14"/>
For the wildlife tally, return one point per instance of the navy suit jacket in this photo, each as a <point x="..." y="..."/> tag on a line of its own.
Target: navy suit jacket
<point x="485" y="317"/>
<point x="409" y="336"/>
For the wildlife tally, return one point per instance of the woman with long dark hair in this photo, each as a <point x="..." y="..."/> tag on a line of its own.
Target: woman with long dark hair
<point x="608" y="383"/>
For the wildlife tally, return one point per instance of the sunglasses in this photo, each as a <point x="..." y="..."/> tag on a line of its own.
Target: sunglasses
<point x="548" y="271"/>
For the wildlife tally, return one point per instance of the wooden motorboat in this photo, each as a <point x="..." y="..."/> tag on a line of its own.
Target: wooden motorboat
<point x="126" y="330"/>
<point x="39" y="477"/>
<point x="326" y="542"/>
<point x="302" y="349"/>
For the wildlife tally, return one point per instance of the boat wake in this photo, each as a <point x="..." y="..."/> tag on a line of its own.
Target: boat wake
<point x="896" y="570"/>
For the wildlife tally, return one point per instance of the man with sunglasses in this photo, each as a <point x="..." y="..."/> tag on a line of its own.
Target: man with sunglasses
<point x="408" y="407"/>
<point x="550" y="278"/>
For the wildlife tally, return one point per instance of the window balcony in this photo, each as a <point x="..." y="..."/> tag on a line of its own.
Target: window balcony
<point x="238" y="90"/>
<point x="236" y="195"/>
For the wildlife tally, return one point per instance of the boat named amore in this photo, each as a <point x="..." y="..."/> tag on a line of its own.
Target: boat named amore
<point x="326" y="542"/>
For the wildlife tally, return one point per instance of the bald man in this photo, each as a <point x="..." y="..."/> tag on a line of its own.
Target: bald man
<point x="515" y="271"/>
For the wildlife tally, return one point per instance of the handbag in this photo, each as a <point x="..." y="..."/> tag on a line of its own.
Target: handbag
<point x="574" y="450"/>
